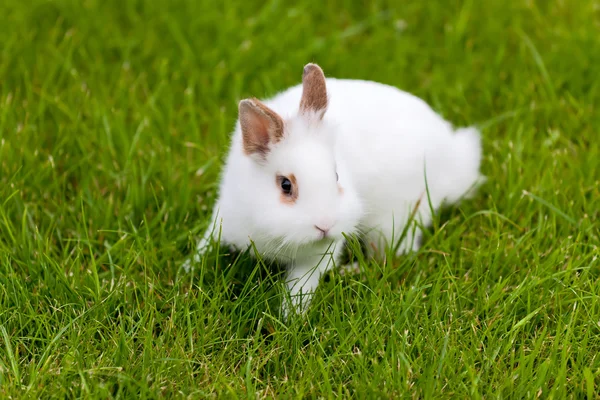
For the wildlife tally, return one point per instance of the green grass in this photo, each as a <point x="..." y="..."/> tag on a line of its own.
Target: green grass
<point x="114" y="117"/>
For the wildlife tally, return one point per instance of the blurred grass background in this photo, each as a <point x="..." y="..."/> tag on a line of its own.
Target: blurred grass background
<point x="113" y="119"/>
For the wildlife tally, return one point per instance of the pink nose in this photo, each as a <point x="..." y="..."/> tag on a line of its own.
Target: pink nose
<point x="324" y="231"/>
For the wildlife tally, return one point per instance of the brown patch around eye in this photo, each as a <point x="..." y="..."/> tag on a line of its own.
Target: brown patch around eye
<point x="288" y="187"/>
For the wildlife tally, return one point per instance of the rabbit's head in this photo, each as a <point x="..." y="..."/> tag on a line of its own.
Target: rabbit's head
<point x="305" y="193"/>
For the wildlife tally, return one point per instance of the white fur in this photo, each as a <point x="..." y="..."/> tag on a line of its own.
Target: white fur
<point x="384" y="144"/>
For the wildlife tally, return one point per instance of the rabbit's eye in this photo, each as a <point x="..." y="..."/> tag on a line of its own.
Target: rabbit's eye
<point x="286" y="186"/>
<point x="337" y="178"/>
<point x="289" y="188"/>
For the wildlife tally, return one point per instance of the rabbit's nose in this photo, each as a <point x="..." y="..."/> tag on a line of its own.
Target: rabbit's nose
<point x="323" y="231"/>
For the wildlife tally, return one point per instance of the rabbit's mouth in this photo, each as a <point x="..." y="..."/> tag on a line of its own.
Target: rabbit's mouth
<point x="324" y="239"/>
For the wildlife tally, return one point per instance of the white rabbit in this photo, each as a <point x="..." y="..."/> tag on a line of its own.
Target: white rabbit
<point x="333" y="156"/>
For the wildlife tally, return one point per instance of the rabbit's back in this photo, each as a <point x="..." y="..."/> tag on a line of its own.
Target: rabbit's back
<point x="390" y="140"/>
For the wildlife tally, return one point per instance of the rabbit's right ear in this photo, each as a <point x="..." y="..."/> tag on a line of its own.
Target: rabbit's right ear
<point x="314" y="91"/>
<point x="261" y="127"/>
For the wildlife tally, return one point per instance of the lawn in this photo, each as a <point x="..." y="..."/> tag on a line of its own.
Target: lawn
<point x="115" y="116"/>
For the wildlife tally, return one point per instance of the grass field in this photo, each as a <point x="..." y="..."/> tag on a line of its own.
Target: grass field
<point x="114" y="117"/>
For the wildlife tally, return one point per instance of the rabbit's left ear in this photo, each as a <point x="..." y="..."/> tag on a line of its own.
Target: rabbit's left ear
<point x="261" y="127"/>
<point x="314" y="91"/>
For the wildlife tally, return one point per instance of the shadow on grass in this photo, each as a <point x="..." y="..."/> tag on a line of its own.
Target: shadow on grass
<point x="250" y="290"/>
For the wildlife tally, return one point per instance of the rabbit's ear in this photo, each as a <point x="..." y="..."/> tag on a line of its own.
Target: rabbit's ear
<point x="314" y="91"/>
<point x="261" y="127"/>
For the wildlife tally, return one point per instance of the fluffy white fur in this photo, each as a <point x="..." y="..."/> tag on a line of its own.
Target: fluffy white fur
<point x="382" y="142"/>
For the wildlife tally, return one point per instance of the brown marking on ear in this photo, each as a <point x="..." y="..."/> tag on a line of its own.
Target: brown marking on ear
<point x="261" y="127"/>
<point x="340" y="189"/>
<point x="291" y="198"/>
<point x="314" y="90"/>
